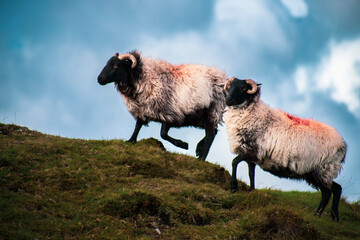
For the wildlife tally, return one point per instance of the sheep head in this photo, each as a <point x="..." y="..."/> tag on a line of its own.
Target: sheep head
<point x="240" y="91"/>
<point x="120" y="70"/>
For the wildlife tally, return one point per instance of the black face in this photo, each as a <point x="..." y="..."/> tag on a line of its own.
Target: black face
<point x="238" y="92"/>
<point x="115" y="71"/>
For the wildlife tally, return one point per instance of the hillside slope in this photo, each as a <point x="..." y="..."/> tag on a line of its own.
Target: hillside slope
<point x="59" y="188"/>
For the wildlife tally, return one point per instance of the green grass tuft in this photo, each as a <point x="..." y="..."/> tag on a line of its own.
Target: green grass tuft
<point x="60" y="188"/>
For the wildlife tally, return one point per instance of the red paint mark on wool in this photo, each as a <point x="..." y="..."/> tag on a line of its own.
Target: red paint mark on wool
<point x="177" y="70"/>
<point x="315" y="126"/>
<point x="297" y="120"/>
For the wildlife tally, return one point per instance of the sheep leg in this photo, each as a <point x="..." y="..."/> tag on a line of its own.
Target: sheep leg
<point x="164" y="134"/>
<point x="325" y="197"/>
<point x="336" y="190"/>
<point x="207" y="141"/>
<point x="199" y="147"/>
<point x="251" y="166"/>
<point x="139" y="124"/>
<point x="234" y="182"/>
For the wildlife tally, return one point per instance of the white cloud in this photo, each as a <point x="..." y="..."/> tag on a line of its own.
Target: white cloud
<point x="336" y="74"/>
<point x="183" y="47"/>
<point x="301" y="79"/>
<point x="236" y="38"/>
<point x="297" y="8"/>
<point x="238" y="21"/>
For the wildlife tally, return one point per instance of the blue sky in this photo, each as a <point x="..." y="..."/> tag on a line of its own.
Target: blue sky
<point x="305" y="53"/>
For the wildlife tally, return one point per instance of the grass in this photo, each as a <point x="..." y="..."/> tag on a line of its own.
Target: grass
<point x="59" y="188"/>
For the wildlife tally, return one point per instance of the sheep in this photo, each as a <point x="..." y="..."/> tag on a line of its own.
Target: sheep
<point x="282" y="144"/>
<point x="174" y="95"/>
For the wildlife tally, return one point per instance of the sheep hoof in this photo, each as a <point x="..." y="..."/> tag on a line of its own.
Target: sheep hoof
<point x="317" y="214"/>
<point x="233" y="186"/>
<point x="334" y="216"/>
<point x="182" y="145"/>
<point x="199" y="148"/>
<point x="131" y="141"/>
<point x="198" y="153"/>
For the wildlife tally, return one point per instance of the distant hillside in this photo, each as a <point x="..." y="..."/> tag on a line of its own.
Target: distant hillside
<point x="60" y="188"/>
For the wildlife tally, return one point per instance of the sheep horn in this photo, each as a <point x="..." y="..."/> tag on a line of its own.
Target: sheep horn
<point x="228" y="82"/>
<point x="129" y="56"/>
<point x="116" y="54"/>
<point x="253" y="85"/>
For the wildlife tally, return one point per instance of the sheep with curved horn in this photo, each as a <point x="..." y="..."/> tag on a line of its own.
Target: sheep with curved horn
<point x="174" y="95"/>
<point x="282" y="144"/>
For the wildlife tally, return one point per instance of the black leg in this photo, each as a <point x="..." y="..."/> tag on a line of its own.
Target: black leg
<point x="164" y="134"/>
<point x="234" y="183"/>
<point x="251" y="166"/>
<point x="139" y="124"/>
<point x="336" y="190"/>
<point x="325" y="197"/>
<point x="200" y="147"/>
<point x="208" y="140"/>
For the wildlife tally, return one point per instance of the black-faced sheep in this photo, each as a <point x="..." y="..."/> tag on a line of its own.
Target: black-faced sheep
<point x="174" y="95"/>
<point x="282" y="144"/>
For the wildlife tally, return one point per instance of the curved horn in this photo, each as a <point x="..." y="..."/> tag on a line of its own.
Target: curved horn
<point x="129" y="56"/>
<point x="228" y="82"/>
<point x="253" y="85"/>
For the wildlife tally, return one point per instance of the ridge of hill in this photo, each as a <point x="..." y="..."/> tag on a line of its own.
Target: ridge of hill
<point x="59" y="188"/>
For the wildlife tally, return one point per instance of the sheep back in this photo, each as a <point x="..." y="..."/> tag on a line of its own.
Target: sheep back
<point x="167" y="93"/>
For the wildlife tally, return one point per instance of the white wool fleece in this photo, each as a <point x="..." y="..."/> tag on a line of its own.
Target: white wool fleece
<point x="276" y="140"/>
<point x="167" y="92"/>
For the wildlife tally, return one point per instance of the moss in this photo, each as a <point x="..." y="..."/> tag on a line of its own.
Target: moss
<point x="13" y="130"/>
<point x="280" y="223"/>
<point x="216" y="175"/>
<point x="131" y="204"/>
<point x="151" y="142"/>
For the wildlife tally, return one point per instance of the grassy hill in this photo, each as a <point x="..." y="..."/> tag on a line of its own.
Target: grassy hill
<point x="59" y="188"/>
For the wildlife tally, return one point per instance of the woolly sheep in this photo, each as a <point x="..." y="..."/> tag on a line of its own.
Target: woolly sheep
<point x="174" y="95"/>
<point x="282" y="144"/>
